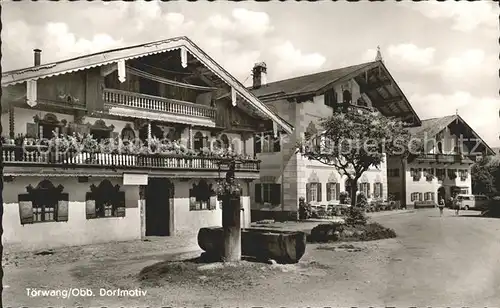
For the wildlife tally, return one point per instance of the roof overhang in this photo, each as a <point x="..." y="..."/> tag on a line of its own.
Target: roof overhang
<point x="138" y="51"/>
<point x="487" y="147"/>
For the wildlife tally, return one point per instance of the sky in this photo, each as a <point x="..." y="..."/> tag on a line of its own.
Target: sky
<point x="443" y="55"/>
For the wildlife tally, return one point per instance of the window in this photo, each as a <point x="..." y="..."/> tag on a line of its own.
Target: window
<point x="429" y="196"/>
<point x="452" y="174"/>
<point x="99" y="135"/>
<point x="46" y="131"/>
<point x="377" y="190"/>
<point x="313" y="192"/>
<point x="365" y="189"/>
<point x="332" y="191"/>
<point x="268" y="193"/>
<point x="330" y="98"/>
<point x="105" y="200"/>
<point x="416" y="174"/>
<point x="440" y="174"/>
<point x="128" y="133"/>
<point x="416" y="196"/>
<point x="393" y="173"/>
<point x="464" y="173"/>
<point x="199" y="196"/>
<point x="198" y="141"/>
<point x="266" y="143"/>
<point x="45" y="203"/>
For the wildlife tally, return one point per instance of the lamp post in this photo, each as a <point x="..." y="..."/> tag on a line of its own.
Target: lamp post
<point x="230" y="192"/>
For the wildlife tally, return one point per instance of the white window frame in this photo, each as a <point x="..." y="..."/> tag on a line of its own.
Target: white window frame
<point x="313" y="191"/>
<point x="333" y="191"/>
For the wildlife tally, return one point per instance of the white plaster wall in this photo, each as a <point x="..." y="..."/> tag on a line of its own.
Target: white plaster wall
<point x="189" y="222"/>
<point x="78" y="230"/>
<point x="23" y="116"/>
<point x="424" y="186"/>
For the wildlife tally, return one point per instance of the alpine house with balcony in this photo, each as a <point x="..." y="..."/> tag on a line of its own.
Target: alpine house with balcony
<point x="443" y="151"/>
<point x="285" y="175"/>
<point x="124" y="143"/>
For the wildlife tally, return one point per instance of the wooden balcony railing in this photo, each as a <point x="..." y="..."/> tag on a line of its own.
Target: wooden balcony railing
<point x="444" y="158"/>
<point x="155" y="103"/>
<point x="16" y="155"/>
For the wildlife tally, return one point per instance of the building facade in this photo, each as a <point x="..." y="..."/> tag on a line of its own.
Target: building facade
<point x="441" y="166"/>
<point x="285" y="175"/>
<point x="124" y="144"/>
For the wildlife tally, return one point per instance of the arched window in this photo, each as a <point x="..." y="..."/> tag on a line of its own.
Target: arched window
<point x="198" y="141"/>
<point x="105" y="200"/>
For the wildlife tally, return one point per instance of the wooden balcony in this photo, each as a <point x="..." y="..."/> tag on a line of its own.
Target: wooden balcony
<point x="444" y="158"/>
<point x="29" y="157"/>
<point x="157" y="104"/>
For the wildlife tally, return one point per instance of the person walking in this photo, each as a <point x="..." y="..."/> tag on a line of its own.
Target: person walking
<point x="458" y="205"/>
<point x="441" y="206"/>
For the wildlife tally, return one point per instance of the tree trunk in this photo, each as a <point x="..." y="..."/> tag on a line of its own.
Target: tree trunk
<point x="231" y="225"/>
<point x="354" y="189"/>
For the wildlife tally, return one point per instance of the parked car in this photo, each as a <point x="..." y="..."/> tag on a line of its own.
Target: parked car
<point x="471" y="202"/>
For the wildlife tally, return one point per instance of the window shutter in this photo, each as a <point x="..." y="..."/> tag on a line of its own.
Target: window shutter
<point x="258" y="193"/>
<point x="328" y="191"/>
<point x="367" y="190"/>
<point x="62" y="208"/>
<point x="319" y="192"/>
<point x="308" y="192"/>
<point x="257" y="143"/>
<point x="25" y="209"/>
<point x="31" y="130"/>
<point x="381" y="190"/>
<point x="337" y="191"/>
<point x="120" y="209"/>
<point x="275" y="194"/>
<point x="277" y="145"/>
<point x="90" y="206"/>
<point x="192" y="203"/>
<point x="213" y="203"/>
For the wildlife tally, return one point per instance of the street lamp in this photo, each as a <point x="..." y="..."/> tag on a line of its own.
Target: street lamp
<point x="230" y="192"/>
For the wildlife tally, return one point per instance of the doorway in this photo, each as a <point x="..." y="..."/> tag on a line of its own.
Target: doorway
<point x="158" y="194"/>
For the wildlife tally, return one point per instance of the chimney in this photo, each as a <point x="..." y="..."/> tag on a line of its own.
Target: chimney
<point x="37" y="54"/>
<point x="259" y="73"/>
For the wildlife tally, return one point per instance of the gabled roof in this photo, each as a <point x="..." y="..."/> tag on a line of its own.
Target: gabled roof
<point x="307" y="83"/>
<point x="138" y="51"/>
<point x="315" y="84"/>
<point x="431" y="127"/>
